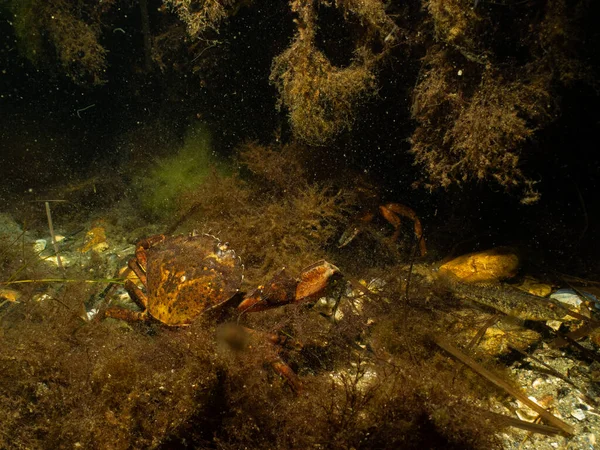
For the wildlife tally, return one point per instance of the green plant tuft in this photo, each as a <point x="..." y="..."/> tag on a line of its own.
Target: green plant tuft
<point x="172" y="176"/>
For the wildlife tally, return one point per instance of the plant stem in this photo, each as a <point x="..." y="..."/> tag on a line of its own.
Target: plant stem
<point x="53" y="236"/>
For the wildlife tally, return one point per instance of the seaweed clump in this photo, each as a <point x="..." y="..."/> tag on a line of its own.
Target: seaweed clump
<point x="488" y="84"/>
<point x="18" y="261"/>
<point x="321" y="98"/>
<point x="68" y="31"/>
<point x="478" y="137"/>
<point x="274" y="216"/>
<point x="67" y="383"/>
<point x="169" y="176"/>
<point x="200" y="18"/>
<point x="399" y="393"/>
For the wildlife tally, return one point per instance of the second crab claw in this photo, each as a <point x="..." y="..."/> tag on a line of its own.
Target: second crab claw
<point x="282" y="289"/>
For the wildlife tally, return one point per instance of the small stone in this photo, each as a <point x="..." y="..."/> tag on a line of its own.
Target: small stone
<point x="537" y="382"/>
<point x="101" y="247"/>
<point x="546" y="401"/>
<point x="554" y="324"/>
<point x="376" y="285"/>
<point x="578" y="414"/>
<point x="488" y="266"/>
<point x="534" y="287"/>
<point x="40" y="245"/>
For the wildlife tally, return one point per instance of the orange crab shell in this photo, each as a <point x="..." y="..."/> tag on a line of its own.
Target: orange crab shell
<point x="189" y="275"/>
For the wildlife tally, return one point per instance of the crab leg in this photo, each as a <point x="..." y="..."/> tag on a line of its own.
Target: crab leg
<point x="126" y="314"/>
<point x="278" y="364"/>
<point x="279" y="291"/>
<point x="353" y="231"/>
<point x="136" y="294"/>
<point x="139" y="271"/>
<point x="138" y="266"/>
<point x="140" y="299"/>
<point x="391" y="211"/>
<point x="286" y="372"/>
<point x="142" y="246"/>
<point x="283" y="290"/>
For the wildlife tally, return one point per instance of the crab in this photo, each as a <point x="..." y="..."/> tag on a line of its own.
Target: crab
<point x="184" y="277"/>
<point x="391" y="212"/>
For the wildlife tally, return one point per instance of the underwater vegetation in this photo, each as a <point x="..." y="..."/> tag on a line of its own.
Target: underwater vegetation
<point x="70" y="31"/>
<point x="371" y="373"/>
<point x="207" y="17"/>
<point x="321" y="98"/>
<point x="479" y="80"/>
<point x="478" y="100"/>
<point x="274" y="217"/>
<point x="164" y="179"/>
<point x="326" y="107"/>
<point x="72" y="383"/>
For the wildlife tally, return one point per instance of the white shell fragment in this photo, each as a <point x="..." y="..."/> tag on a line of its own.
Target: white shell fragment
<point x="39" y="245"/>
<point x="91" y="314"/>
<point x="572" y="298"/>
<point x="41" y="297"/>
<point x="567" y="296"/>
<point x="52" y="259"/>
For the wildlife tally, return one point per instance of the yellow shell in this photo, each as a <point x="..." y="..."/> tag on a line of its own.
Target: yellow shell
<point x="535" y="287"/>
<point x="95" y="239"/>
<point x="9" y="294"/>
<point x="481" y="267"/>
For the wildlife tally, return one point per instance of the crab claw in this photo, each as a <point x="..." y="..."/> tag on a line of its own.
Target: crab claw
<point x="282" y="290"/>
<point x="315" y="279"/>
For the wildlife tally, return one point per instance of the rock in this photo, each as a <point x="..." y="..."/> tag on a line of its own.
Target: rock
<point x="488" y="266"/>
<point x="40" y="245"/>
